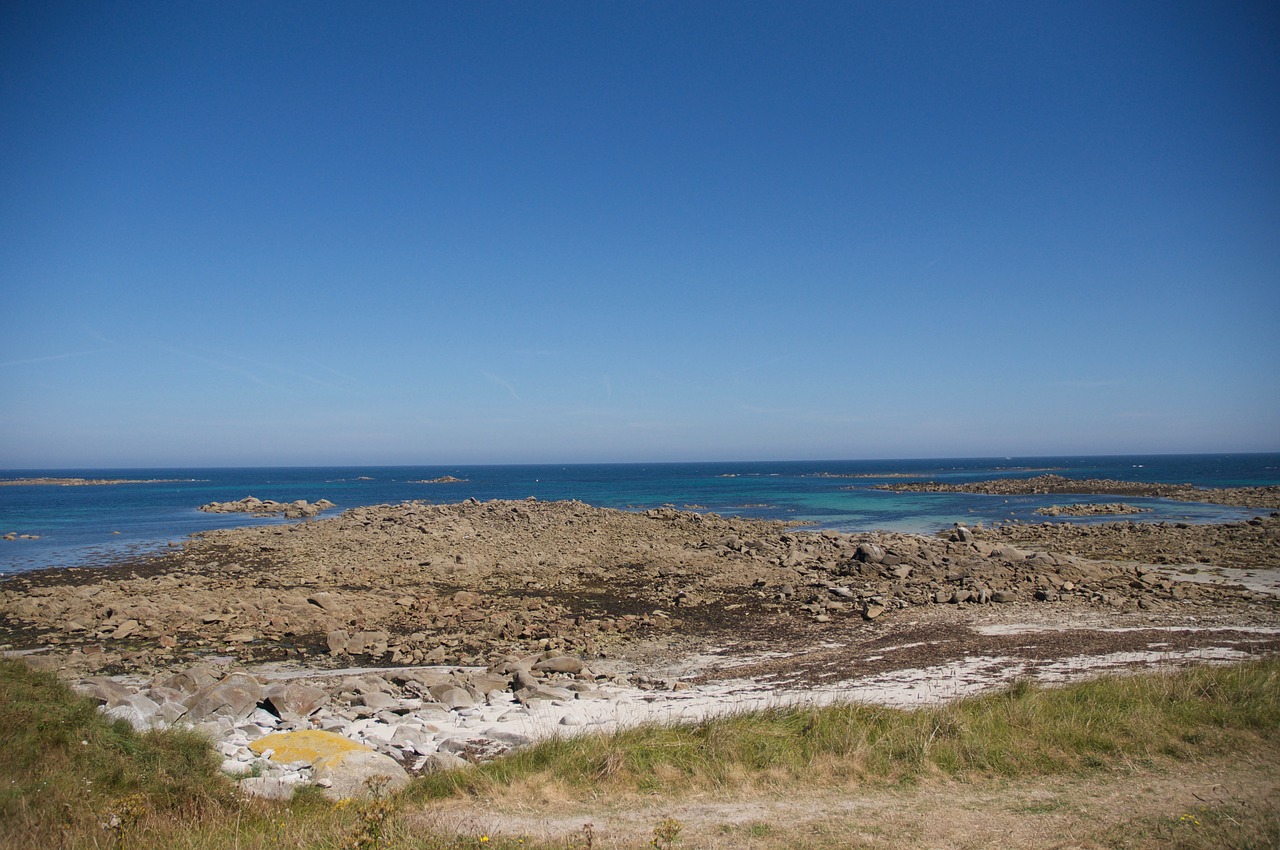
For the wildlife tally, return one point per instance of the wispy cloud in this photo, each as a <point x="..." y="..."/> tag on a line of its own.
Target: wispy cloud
<point x="502" y="382"/>
<point x="48" y="357"/>
<point x="219" y="364"/>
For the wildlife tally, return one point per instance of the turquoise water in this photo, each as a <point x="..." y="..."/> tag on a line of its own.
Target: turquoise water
<point x="96" y="525"/>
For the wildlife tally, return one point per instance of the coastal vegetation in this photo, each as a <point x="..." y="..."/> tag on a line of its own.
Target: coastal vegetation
<point x="71" y="778"/>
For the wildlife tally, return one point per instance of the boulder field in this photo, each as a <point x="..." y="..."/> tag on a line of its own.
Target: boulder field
<point x="469" y="583"/>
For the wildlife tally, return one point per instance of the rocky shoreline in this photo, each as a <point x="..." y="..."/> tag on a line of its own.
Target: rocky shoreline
<point x="1247" y="497"/>
<point x="430" y="633"/>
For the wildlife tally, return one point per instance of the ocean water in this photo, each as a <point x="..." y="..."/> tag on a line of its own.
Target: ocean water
<point x="90" y="526"/>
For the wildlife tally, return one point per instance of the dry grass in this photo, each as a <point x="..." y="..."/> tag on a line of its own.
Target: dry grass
<point x="65" y="771"/>
<point x="1119" y="722"/>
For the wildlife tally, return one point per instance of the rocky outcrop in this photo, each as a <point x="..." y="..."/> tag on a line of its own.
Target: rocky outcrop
<point x="1110" y="509"/>
<point x="1249" y="497"/>
<point x="266" y="507"/>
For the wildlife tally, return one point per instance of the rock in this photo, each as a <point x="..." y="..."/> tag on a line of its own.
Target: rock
<point x="436" y="762"/>
<point x="294" y="700"/>
<point x="191" y="680"/>
<point x="125" y="629"/>
<point x="559" y="664"/>
<point x="235" y="696"/>
<point x="135" y="718"/>
<point x="872" y="611"/>
<point x="267" y="788"/>
<point x="103" y="690"/>
<point x="453" y="696"/>
<point x="367" y="643"/>
<point x="308" y="745"/>
<point x="358" y="774"/>
<point x="869" y="553"/>
<point x="379" y="701"/>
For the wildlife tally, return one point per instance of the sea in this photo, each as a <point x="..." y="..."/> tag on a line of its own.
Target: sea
<point x="87" y="526"/>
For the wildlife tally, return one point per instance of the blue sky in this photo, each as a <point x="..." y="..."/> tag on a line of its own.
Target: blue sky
<point x="310" y="233"/>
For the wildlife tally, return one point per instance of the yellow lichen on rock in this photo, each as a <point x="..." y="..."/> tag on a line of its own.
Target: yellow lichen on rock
<point x="308" y="745"/>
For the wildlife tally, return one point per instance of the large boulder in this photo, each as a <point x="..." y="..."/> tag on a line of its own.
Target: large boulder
<point x="358" y="774"/>
<point x="235" y="697"/>
<point x="294" y="700"/>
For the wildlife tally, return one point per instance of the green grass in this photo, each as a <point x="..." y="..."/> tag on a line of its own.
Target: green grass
<point x="1024" y="730"/>
<point x="65" y="769"/>
<point x="63" y="765"/>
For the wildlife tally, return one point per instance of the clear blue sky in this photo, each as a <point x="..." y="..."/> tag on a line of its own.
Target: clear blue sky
<point x="458" y="232"/>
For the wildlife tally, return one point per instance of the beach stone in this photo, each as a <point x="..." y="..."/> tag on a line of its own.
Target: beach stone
<point x="102" y="690"/>
<point x="543" y="692"/>
<point x="436" y="762"/>
<point x="191" y="680"/>
<point x="559" y="664"/>
<point x="368" y="643"/>
<point x="349" y="775"/>
<point x="869" y="553"/>
<point x="522" y="679"/>
<point x="125" y="629"/>
<point x="295" y="700"/>
<point x="235" y="696"/>
<point x="452" y="696"/>
<point x="379" y="701"/>
<point x="133" y="716"/>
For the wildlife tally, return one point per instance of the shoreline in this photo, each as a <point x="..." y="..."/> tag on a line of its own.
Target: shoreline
<point x="445" y="630"/>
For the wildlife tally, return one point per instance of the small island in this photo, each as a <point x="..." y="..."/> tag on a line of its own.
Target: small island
<point x="266" y="507"/>
<point x="444" y="479"/>
<point x="1247" y="497"/>
<point x="84" y="482"/>
<point x="1092" y="509"/>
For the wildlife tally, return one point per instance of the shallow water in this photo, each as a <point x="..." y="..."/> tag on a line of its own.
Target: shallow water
<point x="98" y="524"/>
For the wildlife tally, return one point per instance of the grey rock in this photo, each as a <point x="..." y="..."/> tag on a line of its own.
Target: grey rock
<point x="436" y="762"/>
<point x="559" y="664"/>
<point x="235" y="697"/>
<point x="354" y="774"/>
<point x="294" y="700"/>
<point x="267" y="788"/>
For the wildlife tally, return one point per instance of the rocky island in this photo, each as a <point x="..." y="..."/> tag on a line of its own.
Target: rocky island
<point x="1248" y="497"/>
<point x="1109" y="509"/>
<point x="83" y="482"/>
<point x="266" y="507"/>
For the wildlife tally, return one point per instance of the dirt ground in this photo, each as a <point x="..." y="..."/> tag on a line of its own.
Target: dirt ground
<point x="1216" y="802"/>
